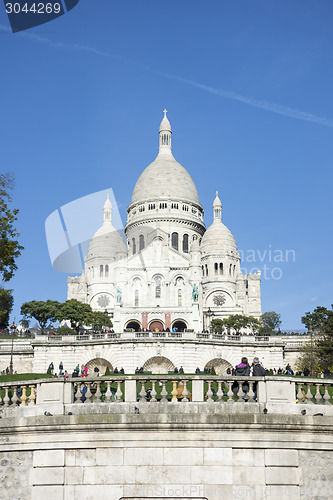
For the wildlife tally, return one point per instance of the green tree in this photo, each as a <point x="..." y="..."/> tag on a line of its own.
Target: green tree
<point x="317" y="355"/>
<point x="6" y="306"/>
<point x="10" y="249"/>
<point x="41" y="311"/>
<point x="76" y="312"/>
<point x="270" y="322"/>
<point x="254" y="323"/>
<point x="25" y="323"/>
<point x="236" y="322"/>
<point x="99" y="320"/>
<point x="217" y="325"/>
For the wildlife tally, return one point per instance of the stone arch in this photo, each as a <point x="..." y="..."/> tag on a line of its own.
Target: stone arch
<point x="134" y="324"/>
<point x="156" y="323"/>
<point x="158" y="365"/>
<point x="220" y="365"/>
<point x="180" y="324"/>
<point x="101" y="363"/>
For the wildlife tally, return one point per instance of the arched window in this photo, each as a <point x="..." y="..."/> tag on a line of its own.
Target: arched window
<point x="203" y="270"/>
<point x="106" y="271"/>
<point x="136" y="298"/>
<point x="234" y="270"/>
<point x="157" y="288"/>
<point x="206" y="270"/>
<point x="174" y="241"/>
<point x="221" y="268"/>
<point x="101" y="271"/>
<point x="141" y="242"/>
<point x="230" y="267"/>
<point x="180" y="298"/>
<point x="133" y="246"/>
<point x="216" y="268"/>
<point x="185" y="243"/>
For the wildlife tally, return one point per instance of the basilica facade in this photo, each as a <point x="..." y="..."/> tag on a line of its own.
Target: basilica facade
<point x="172" y="273"/>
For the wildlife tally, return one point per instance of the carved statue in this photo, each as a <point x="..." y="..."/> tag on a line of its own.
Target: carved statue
<point x="118" y="294"/>
<point x="195" y="293"/>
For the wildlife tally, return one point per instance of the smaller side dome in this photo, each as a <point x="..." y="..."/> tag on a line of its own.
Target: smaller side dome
<point x="107" y="241"/>
<point x="218" y="238"/>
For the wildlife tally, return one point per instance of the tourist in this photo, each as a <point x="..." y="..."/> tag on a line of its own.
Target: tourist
<point x="181" y="370"/>
<point x="115" y="371"/>
<point x="65" y="375"/>
<point x="83" y="392"/>
<point x="175" y="370"/>
<point x="61" y="367"/>
<point x="243" y="369"/>
<point x="77" y="369"/>
<point x="197" y="370"/>
<point x="257" y="371"/>
<point x="122" y="371"/>
<point x="51" y="368"/>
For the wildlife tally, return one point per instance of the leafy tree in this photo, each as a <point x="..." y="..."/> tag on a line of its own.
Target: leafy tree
<point x="254" y="323"/>
<point x="217" y="325"/>
<point x="76" y="312"/>
<point x="236" y="322"/>
<point x="10" y="249"/>
<point x="318" y="354"/>
<point x="314" y="321"/>
<point x="6" y="306"/>
<point x="25" y="322"/>
<point x="41" y="311"/>
<point x="99" y="320"/>
<point x="270" y="322"/>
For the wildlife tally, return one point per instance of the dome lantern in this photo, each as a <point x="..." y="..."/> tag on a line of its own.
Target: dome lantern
<point x="165" y="135"/>
<point x="217" y="208"/>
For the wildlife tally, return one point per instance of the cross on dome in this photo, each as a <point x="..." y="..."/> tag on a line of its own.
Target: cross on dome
<point x="165" y="112"/>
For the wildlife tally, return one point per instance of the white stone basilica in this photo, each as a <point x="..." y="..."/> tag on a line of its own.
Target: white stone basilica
<point x="173" y="273"/>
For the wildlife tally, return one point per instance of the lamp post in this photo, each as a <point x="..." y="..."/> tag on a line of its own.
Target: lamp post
<point x="311" y="332"/>
<point x="210" y="313"/>
<point x="106" y="318"/>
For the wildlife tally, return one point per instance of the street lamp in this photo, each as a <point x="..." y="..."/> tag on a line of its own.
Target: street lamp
<point x="106" y="318"/>
<point x="210" y="313"/>
<point x="311" y="332"/>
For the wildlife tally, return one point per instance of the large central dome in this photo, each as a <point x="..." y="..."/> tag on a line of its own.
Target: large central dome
<point x="165" y="178"/>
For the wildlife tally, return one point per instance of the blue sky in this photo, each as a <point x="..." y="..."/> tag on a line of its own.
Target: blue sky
<point x="248" y="85"/>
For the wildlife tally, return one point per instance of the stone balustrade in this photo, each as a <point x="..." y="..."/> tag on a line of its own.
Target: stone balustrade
<point x="187" y="335"/>
<point x="277" y="394"/>
<point x="18" y="393"/>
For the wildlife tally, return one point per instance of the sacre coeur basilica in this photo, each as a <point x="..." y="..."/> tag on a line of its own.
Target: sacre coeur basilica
<point x="173" y="274"/>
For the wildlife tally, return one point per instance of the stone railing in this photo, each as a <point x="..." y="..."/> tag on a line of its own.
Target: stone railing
<point x="187" y="335"/>
<point x="18" y="393"/>
<point x="274" y="394"/>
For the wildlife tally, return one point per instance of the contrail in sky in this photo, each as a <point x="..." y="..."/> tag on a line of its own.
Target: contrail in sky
<point x="256" y="103"/>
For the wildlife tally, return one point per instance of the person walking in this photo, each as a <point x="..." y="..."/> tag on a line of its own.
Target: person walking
<point x="61" y="368"/>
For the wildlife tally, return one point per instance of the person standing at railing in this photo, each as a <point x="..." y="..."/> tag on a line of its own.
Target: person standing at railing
<point x="61" y="368"/>
<point x="257" y="371"/>
<point x="243" y="369"/>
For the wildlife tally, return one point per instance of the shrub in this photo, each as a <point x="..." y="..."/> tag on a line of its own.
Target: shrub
<point x="107" y="371"/>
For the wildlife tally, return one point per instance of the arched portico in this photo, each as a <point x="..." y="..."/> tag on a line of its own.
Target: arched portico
<point x="158" y="365"/>
<point x="156" y="324"/>
<point x="133" y="325"/>
<point x="220" y="365"/>
<point x="100" y="363"/>
<point x="179" y="325"/>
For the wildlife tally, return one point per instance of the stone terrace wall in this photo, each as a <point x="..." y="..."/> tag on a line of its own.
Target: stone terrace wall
<point x="15" y="470"/>
<point x="187" y="455"/>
